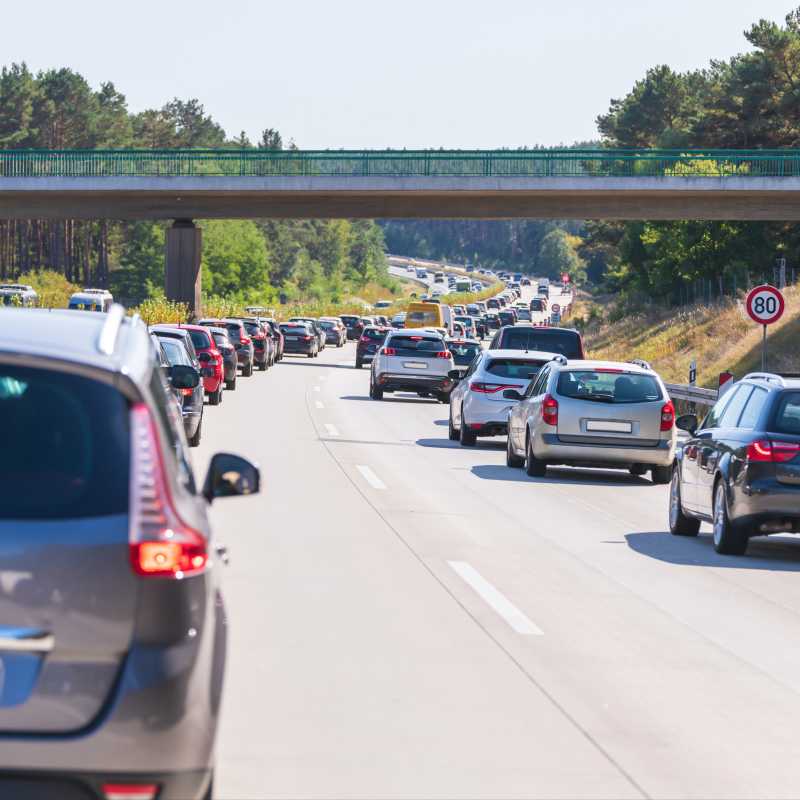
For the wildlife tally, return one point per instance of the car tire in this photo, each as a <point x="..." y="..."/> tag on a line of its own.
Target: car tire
<point x="194" y="440"/>
<point x="679" y="523"/>
<point x="467" y="436"/>
<point x="535" y="467"/>
<point x="729" y="539"/>
<point x="512" y="459"/>
<point x="248" y="370"/>
<point x="637" y="470"/>
<point x="209" y="795"/>
<point x="359" y="364"/>
<point x="453" y="433"/>
<point x="375" y="393"/>
<point x="231" y="385"/>
<point x="263" y="366"/>
<point x="661" y="475"/>
<point x="215" y="398"/>
<point x="311" y="354"/>
<point x="423" y="394"/>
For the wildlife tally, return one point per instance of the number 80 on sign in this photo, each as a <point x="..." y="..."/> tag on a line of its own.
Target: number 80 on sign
<point x="765" y="304"/>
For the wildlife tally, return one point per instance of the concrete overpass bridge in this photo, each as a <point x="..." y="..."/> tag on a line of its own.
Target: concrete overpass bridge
<point x="185" y="185"/>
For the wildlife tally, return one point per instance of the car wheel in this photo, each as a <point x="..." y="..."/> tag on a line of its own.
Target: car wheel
<point x="248" y="370"/>
<point x="215" y="398"/>
<point x="209" y="795"/>
<point x="637" y="469"/>
<point x="311" y="354"/>
<point x="194" y="440"/>
<point x="512" y="459"/>
<point x="467" y="436"/>
<point x="535" y="467"/>
<point x="661" y="475"/>
<point x="359" y="364"/>
<point x="375" y="393"/>
<point x="679" y="523"/>
<point x="263" y="366"/>
<point x="729" y="539"/>
<point x="423" y="394"/>
<point x="452" y="432"/>
<point x="231" y="385"/>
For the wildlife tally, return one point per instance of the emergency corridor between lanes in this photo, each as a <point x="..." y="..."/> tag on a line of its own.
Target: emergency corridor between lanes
<point x="409" y="618"/>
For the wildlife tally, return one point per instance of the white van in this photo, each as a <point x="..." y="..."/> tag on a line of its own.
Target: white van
<point x="91" y="300"/>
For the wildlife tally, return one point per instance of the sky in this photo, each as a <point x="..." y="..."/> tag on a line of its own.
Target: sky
<point x="357" y="74"/>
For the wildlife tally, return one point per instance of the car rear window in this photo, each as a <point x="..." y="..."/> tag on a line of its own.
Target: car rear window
<point x="325" y="324"/>
<point x="253" y="328"/>
<point x="515" y="367"/>
<point x="608" y="386"/>
<point x="222" y="340"/>
<point x="199" y="340"/>
<point x="350" y="320"/>
<point x="67" y="443"/>
<point x="374" y="333"/>
<point x="787" y="417"/>
<point x="463" y="353"/>
<point x="416" y="345"/>
<point x="566" y="343"/>
<point x="295" y="329"/>
<point x="176" y="353"/>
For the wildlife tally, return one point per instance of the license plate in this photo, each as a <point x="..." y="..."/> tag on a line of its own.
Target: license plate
<point x="415" y="365"/>
<point x="291" y="338"/>
<point x="607" y="426"/>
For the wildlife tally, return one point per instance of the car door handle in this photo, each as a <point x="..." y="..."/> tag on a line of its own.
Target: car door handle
<point x="26" y="640"/>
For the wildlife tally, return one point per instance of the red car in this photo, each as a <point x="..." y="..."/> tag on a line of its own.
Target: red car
<point x="209" y="356"/>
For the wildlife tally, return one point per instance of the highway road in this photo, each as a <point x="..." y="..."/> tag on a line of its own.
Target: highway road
<point x="412" y="619"/>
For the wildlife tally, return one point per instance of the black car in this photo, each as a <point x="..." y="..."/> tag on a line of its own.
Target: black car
<point x="300" y="339"/>
<point x="508" y="317"/>
<point x="740" y="469"/>
<point x="230" y="362"/>
<point x="564" y="341"/>
<point x="353" y="324"/>
<point x="245" y="349"/>
<point x="263" y="345"/>
<point x="369" y="343"/>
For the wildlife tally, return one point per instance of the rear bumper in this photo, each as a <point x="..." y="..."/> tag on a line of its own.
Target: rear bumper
<point x="493" y="428"/>
<point x="766" y="500"/>
<point x="548" y="447"/>
<point x="88" y="786"/>
<point x="300" y="349"/>
<point x="210" y="385"/>
<point x="244" y="356"/>
<point x="394" y="382"/>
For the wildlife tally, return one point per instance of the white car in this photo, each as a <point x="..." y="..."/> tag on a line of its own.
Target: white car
<point x="477" y="404"/>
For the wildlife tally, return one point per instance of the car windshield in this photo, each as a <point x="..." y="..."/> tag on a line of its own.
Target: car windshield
<point x="550" y="341"/>
<point x="426" y="346"/>
<point x="787" y="418"/>
<point x="463" y="352"/>
<point x="523" y="368"/>
<point x="608" y="386"/>
<point x="74" y="466"/>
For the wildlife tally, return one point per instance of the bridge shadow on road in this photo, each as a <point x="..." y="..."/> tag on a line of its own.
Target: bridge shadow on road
<point x="778" y="554"/>
<point x="584" y="477"/>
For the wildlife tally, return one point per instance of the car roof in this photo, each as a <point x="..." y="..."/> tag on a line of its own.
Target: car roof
<point x="587" y="364"/>
<point x="108" y="341"/>
<point x="521" y="354"/>
<point x="772" y="380"/>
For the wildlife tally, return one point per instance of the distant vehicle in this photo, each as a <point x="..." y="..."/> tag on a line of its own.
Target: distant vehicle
<point x="508" y="316"/>
<point x="464" y="352"/>
<point x="438" y="277"/>
<point x="91" y="300"/>
<point x="315" y="327"/>
<point x="565" y="341"/>
<point x="412" y="361"/>
<point x="18" y="294"/>
<point x="539" y="304"/>
<point x="463" y="285"/>
<point x="524" y="315"/>
<point x="606" y="414"/>
<point x="263" y="344"/>
<point x="384" y="304"/>
<point x="517" y="277"/>
<point x="335" y="331"/>
<point x="371" y="339"/>
<point x="469" y="326"/>
<point x="228" y="352"/>
<point x="493" y="303"/>
<point x="459" y="331"/>
<point x="353" y="324"/>
<point x="477" y="405"/>
<point x="525" y="282"/>
<point x="299" y="339"/>
<point x="274" y="329"/>
<point x="422" y="274"/>
<point x="239" y="339"/>
<point x="543" y="289"/>
<point x="208" y="356"/>
<point x="425" y="315"/>
<point x="740" y="468"/>
<point x="117" y="584"/>
<point x="398" y="320"/>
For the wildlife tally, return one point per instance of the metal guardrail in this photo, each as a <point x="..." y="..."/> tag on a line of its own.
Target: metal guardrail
<point x="567" y="163"/>
<point x="692" y="394"/>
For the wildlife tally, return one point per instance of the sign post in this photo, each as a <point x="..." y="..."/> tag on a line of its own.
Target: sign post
<point x="693" y="373"/>
<point x="765" y="305"/>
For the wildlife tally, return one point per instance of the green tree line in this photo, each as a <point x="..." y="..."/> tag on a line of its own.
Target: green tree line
<point x="250" y="260"/>
<point x="751" y="100"/>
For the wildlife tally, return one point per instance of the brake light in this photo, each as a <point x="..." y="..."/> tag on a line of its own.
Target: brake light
<point x="307" y="338"/>
<point x="244" y="339"/>
<point x="765" y="450"/>
<point x="186" y="392"/>
<point x="130" y="791"/>
<point x="443" y="354"/>
<point x="667" y="416"/>
<point x="388" y="351"/>
<point x="491" y="388"/>
<point x="161" y="543"/>
<point x="549" y="410"/>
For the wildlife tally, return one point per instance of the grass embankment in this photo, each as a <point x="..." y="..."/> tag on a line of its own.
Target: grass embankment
<point x="720" y="337"/>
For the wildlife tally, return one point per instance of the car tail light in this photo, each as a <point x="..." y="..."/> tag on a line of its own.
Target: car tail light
<point x="491" y="388"/>
<point x="550" y="410"/>
<point x="388" y="351"/>
<point x="186" y="392"/>
<point x="769" y="451"/>
<point x="161" y="543"/>
<point x="130" y="791"/>
<point x="307" y="338"/>
<point x="667" y="416"/>
<point x="443" y="354"/>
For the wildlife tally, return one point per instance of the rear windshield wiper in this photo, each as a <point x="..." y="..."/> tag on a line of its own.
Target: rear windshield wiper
<point x="597" y="398"/>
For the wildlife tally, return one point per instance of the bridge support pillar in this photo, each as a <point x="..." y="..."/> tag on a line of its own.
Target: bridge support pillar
<point x="182" y="275"/>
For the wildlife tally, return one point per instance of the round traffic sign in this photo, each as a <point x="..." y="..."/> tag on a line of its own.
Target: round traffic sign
<point x="555" y="308"/>
<point x="765" y="304"/>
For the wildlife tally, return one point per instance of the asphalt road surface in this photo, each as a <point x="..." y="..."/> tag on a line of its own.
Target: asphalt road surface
<point x="412" y="619"/>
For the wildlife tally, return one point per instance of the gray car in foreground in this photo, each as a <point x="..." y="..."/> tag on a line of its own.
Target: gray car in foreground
<point x="112" y="625"/>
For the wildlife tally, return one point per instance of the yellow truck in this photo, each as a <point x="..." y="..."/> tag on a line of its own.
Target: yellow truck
<point x="429" y="315"/>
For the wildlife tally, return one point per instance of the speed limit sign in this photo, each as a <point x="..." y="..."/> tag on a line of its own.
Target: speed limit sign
<point x="765" y="304"/>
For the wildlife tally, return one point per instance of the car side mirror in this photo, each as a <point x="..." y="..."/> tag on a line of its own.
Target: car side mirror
<point x="203" y="358"/>
<point x="182" y="376"/>
<point x="230" y="475"/>
<point x="687" y="422"/>
<point x="512" y="394"/>
<point x="207" y="372"/>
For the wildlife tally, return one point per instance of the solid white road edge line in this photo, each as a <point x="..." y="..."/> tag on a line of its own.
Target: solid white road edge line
<point x="332" y="430"/>
<point x="370" y="477"/>
<point x="496" y="599"/>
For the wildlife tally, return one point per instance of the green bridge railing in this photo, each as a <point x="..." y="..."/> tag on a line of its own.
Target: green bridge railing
<point x="567" y="163"/>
